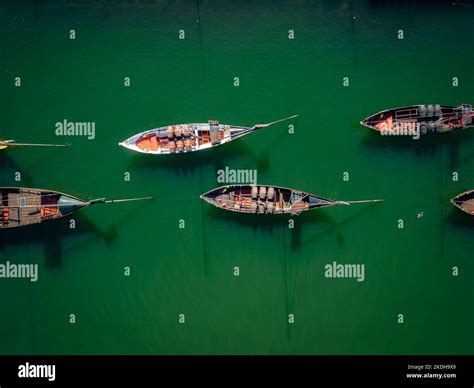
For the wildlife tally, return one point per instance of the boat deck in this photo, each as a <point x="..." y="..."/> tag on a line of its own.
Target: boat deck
<point x="25" y="213"/>
<point x="179" y="138"/>
<point x="241" y="200"/>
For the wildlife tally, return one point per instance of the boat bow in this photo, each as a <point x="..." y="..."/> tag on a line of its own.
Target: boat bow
<point x="465" y="202"/>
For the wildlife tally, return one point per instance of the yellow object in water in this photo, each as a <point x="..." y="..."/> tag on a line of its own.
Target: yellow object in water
<point x="4" y="144"/>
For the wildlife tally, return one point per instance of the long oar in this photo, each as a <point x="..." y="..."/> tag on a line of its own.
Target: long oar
<point x="258" y="126"/>
<point x="6" y="144"/>
<point x="361" y="201"/>
<point x="274" y="122"/>
<point x="129" y="199"/>
<point x="81" y="203"/>
<point x="103" y="200"/>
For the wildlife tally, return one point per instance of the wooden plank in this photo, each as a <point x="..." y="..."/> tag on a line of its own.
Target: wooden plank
<point x="30" y="214"/>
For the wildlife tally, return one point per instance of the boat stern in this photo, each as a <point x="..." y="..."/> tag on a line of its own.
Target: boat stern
<point x="315" y="202"/>
<point x="70" y="204"/>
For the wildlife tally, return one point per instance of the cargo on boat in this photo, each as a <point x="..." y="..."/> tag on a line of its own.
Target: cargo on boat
<point x="181" y="138"/>
<point x="465" y="202"/>
<point x="420" y="119"/>
<point x="24" y="206"/>
<point x="266" y="199"/>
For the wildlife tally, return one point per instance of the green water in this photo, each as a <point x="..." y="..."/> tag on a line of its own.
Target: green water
<point x="190" y="271"/>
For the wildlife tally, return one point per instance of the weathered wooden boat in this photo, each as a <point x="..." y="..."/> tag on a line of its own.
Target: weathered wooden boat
<point x="420" y="119"/>
<point x="183" y="138"/>
<point x="265" y="199"/>
<point x="24" y="206"/>
<point x="465" y="202"/>
<point x="11" y="143"/>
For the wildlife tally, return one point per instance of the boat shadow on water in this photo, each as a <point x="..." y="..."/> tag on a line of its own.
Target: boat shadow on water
<point x="462" y="220"/>
<point x="236" y="154"/>
<point x="52" y="234"/>
<point x="427" y="145"/>
<point x="8" y="163"/>
<point x="319" y="222"/>
<point x="273" y="224"/>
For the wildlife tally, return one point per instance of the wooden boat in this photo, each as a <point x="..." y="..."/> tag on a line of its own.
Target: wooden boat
<point x="11" y="143"/>
<point x="420" y="119"/>
<point x="23" y="206"/>
<point x="465" y="202"/>
<point x="184" y="138"/>
<point x="265" y="199"/>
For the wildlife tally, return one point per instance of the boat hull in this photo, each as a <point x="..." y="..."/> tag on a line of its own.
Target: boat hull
<point x="184" y="138"/>
<point x="416" y="120"/>
<point x="25" y="206"/>
<point x="465" y="202"/>
<point x="264" y="199"/>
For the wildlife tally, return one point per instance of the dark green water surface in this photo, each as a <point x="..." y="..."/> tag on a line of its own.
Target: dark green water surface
<point x="190" y="271"/>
